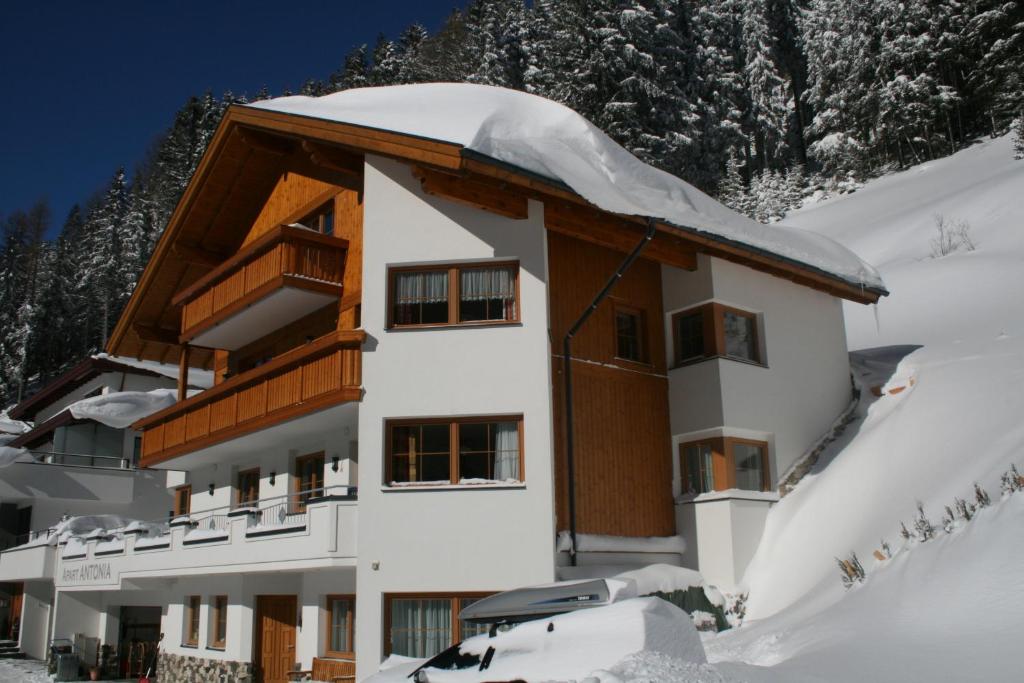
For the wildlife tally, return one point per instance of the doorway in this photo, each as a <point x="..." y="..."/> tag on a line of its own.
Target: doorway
<point x="274" y="646"/>
<point x="138" y="639"/>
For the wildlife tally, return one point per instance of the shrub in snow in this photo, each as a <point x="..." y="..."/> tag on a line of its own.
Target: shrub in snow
<point x="924" y="530"/>
<point x="1018" y="138"/>
<point x="952" y="236"/>
<point x="703" y="621"/>
<point x="694" y="600"/>
<point x="736" y="608"/>
<point x="886" y="550"/>
<point x="1012" y="481"/>
<point x="851" y="569"/>
<point x="905" y="532"/>
<point x="981" y="498"/>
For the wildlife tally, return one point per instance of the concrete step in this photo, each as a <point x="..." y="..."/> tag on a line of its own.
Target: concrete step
<point x="16" y="654"/>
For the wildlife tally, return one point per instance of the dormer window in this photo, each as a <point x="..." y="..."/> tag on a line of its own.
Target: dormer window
<point x="321" y="220"/>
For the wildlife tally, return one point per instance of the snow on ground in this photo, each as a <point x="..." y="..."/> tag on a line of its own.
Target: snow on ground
<point x="23" y="671"/>
<point x="549" y="139"/>
<point x="949" y="342"/>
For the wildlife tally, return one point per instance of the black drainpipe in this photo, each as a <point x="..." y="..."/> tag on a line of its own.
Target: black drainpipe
<point x="567" y="362"/>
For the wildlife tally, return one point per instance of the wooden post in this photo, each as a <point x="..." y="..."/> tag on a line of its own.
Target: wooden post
<point x="183" y="372"/>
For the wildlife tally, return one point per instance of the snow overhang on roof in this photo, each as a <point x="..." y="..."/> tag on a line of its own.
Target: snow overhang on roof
<point x="501" y="140"/>
<point x="548" y="140"/>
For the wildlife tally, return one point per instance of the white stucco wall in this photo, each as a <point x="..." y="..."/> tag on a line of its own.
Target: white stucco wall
<point x="722" y="535"/>
<point x="806" y="382"/>
<point x="449" y="540"/>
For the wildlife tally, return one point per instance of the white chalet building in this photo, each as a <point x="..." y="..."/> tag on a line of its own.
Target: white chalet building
<point x="70" y="467"/>
<point x="381" y="281"/>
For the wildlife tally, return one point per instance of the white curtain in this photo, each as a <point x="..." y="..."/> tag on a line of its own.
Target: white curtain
<point x="429" y="287"/>
<point x="506" y="451"/>
<point x="478" y="284"/>
<point x="420" y="628"/>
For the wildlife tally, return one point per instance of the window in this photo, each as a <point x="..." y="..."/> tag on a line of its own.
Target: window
<point x="191" y="621"/>
<point x="467" y="450"/>
<point x="714" y="330"/>
<point x="321" y="220"/>
<point x="309" y="479"/>
<point x="136" y="449"/>
<point x="697" y="472"/>
<point x="453" y="295"/>
<point x="424" y="625"/>
<point x="182" y="500"/>
<point x="724" y="463"/>
<point x="218" y="621"/>
<point x="341" y="612"/>
<point x="248" y="487"/>
<point x="630" y="340"/>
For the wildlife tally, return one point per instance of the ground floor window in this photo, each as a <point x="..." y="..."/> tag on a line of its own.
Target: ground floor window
<point x="218" y="621"/>
<point x="424" y="625"/>
<point x="341" y="613"/>
<point x="191" y="636"/>
<point x="721" y="463"/>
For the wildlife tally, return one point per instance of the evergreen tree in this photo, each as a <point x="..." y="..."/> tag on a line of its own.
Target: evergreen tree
<point x="766" y="90"/>
<point x="354" y="72"/>
<point x="1018" y="137"/>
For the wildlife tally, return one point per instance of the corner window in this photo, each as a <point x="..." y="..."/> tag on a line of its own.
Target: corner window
<point x="462" y="451"/>
<point x="722" y="463"/>
<point x="630" y="340"/>
<point x="341" y="612"/>
<point x="423" y="625"/>
<point x="191" y="622"/>
<point x="453" y="295"/>
<point x="218" y="621"/>
<point x="716" y="331"/>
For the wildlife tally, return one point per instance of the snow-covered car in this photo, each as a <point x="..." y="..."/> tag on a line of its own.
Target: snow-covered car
<point x="568" y="646"/>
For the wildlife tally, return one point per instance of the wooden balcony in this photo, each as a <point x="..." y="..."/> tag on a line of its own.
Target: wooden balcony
<point x="281" y="277"/>
<point x="320" y="374"/>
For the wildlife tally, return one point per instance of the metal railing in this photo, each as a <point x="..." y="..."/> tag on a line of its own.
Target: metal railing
<point x="109" y="462"/>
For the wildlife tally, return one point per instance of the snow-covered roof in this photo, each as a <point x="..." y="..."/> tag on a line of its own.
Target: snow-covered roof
<point x="548" y="139"/>
<point x="202" y="379"/>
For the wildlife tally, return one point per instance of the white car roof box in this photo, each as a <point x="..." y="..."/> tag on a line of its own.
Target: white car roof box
<point x="535" y="602"/>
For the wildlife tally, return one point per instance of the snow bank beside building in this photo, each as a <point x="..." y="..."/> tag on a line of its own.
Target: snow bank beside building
<point x="551" y="140"/>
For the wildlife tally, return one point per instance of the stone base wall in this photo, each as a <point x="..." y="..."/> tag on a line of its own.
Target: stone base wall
<point x="187" y="669"/>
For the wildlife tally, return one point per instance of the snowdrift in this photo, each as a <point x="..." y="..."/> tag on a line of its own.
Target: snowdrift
<point x="546" y="138"/>
<point x="957" y="419"/>
<point x="120" y="409"/>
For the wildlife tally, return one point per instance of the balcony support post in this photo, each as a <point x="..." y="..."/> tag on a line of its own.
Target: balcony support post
<point x="183" y="359"/>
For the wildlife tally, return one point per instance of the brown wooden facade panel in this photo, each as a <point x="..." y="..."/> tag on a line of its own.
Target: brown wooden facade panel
<point x="292" y="193"/>
<point x="623" y="441"/>
<point x="286" y="256"/>
<point x="305" y="379"/>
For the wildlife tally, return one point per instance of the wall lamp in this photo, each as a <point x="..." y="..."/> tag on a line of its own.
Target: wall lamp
<point x="273" y="476"/>
<point x="334" y="463"/>
<point x="211" y="489"/>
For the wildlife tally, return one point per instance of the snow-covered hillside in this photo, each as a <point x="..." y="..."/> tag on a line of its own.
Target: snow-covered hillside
<point x="952" y="335"/>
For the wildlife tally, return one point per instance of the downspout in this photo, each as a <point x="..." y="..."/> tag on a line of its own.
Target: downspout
<point x="570" y="469"/>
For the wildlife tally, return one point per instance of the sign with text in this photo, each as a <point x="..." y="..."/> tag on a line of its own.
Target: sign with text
<point x="87" y="573"/>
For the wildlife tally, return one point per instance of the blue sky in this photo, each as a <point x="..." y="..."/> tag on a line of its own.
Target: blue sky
<point x="88" y="86"/>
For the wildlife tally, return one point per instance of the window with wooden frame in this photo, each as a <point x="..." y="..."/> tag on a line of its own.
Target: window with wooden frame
<point x="341" y="625"/>
<point x="630" y="334"/>
<point x="464" y="294"/>
<point x="721" y="463"/>
<point x="191" y="621"/>
<point x="422" y="625"/>
<point x="248" y="486"/>
<point x="455" y="451"/>
<point x="321" y="220"/>
<point x="309" y="479"/>
<point x="218" y="621"/>
<point x="182" y="500"/>
<point x="714" y="330"/>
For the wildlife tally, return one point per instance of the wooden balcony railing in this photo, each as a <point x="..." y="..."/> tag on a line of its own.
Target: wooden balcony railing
<point x="324" y="372"/>
<point x="287" y="256"/>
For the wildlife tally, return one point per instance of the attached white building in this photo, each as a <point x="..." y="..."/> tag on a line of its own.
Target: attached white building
<point x="70" y="467"/>
<point x="383" y="297"/>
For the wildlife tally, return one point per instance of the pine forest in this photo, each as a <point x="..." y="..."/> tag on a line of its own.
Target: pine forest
<point x="757" y="102"/>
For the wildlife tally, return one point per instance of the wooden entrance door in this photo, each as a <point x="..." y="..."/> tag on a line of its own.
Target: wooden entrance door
<point x="14" y="623"/>
<point x="275" y="637"/>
